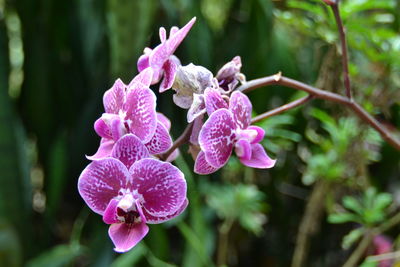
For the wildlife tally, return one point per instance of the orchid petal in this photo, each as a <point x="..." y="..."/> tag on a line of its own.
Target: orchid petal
<point x="176" y="39"/>
<point x="197" y="108"/>
<point x="173" y="30"/>
<point x="217" y="137"/>
<point x="259" y="158"/>
<point x="173" y="155"/>
<point x="102" y="129"/>
<point x="143" y="62"/>
<point x="213" y="100"/>
<point x="155" y="220"/>
<point x="144" y="78"/>
<point x="241" y="107"/>
<point x="100" y="181"/>
<point x="161" y="140"/>
<point x="164" y="120"/>
<point x="201" y="166"/>
<point x="114" y="98"/>
<point x="126" y="236"/>
<point x="109" y="216"/>
<point x="141" y="115"/>
<point x="163" y="34"/>
<point x="243" y="149"/>
<point x="129" y="149"/>
<point x="161" y="185"/>
<point x="197" y="125"/>
<point x="169" y="68"/>
<point x="260" y="133"/>
<point x="106" y="145"/>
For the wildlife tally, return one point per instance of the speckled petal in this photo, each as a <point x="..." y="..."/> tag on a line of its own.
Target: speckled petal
<point x="129" y="149"/>
<point x="161" y="185"/>
<point x="259" y="158"/>
<point x="109" y="216"/>
<point x="106" y="145"/>
<point x="216" y="138"/>
<point x="141" y="114"/>
<point x="169" y="68"/>
<point x="144" y="78"/>
<point x="161" y="140"/>
<point x="126" y="236"/>
<point x="201" y="166"/>
<point x="114" y="97"/>
<point x="197" y="125"/>
<point x="241" y="107"/>
<point x="213" y="100"/>
<point x="101" y="181"/>
<point x="155" y="220"/>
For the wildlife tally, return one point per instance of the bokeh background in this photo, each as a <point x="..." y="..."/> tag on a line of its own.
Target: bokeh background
<point x="57" y="58"/>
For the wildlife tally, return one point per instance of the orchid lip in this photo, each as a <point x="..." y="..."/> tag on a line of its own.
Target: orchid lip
<point x="248" y="134"/>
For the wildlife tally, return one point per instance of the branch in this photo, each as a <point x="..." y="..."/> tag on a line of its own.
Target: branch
<point x="282" y="108"/>
<point x="278" y="79"/>
<point x="359" y="252"/>
<point x="182" y="139"/>
<point x="343" y="42"/>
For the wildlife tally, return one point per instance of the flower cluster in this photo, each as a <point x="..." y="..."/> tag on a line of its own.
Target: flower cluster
<point x="127" y="182"/>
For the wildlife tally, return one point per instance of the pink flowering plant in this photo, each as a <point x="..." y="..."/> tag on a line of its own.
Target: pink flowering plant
<point x="131" y="182"/>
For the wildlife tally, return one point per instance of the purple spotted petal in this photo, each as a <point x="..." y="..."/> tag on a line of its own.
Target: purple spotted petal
<point x="141" y="115"/>
<point x="164" y="120"/>
<point x="161" y="140"/>
<point x="259" y="158"/>
<point x="217" y="137"/>
<point x="143" y="62"/>
<point x="101" y="181"/>
<point x="157" y="58"/>
<point x="109" y="216"/>
<point x="129" y="149"/>
<point x="260" y="133"/>
<point x="143" y="78"/>
<point x="161" y="185"/>
<point x="126" y="236"/>
<point x="177" y="37"/>
<point x="201" y="166"/>
<point x="240" y="106"/>
<point x="114" y="98"/>
<point x="243" y="149"/>
<point x="155" y="220"/>
<point x="169" y="68"/>
<point x="102" y="129"/>
<point x="106" y="145"/>
<point x="213" y="100"/>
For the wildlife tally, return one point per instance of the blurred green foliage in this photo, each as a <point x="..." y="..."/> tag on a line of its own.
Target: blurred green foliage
<point x="57" y="58"/>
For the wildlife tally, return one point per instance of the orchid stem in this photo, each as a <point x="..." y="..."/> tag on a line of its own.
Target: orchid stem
<point x="182" y="139"/>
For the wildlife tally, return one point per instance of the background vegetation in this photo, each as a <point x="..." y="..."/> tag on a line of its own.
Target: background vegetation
<point x="334" y="177"/>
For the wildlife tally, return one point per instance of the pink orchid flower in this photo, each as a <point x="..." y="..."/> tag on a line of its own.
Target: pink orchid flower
<point x="131" y="109"/>
<point x="227" y="129"/>
<point x="161" y="59"/>
<point x="131" y="191"/>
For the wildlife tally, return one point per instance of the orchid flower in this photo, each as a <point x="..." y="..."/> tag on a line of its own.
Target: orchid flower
<point x="228" y="129"/>
<point x="131" y="109"/>
<point x="161" y="59"/>
<point x="131" y="191"/>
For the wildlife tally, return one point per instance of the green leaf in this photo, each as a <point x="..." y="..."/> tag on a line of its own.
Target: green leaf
<point x="353" y="204"/>
<point x="350" y="238"/>
<point x="342" y="218"/>
<point x="60" y="255"/>
<point x="130" y="258"/>
<point x="382" y="201"/>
